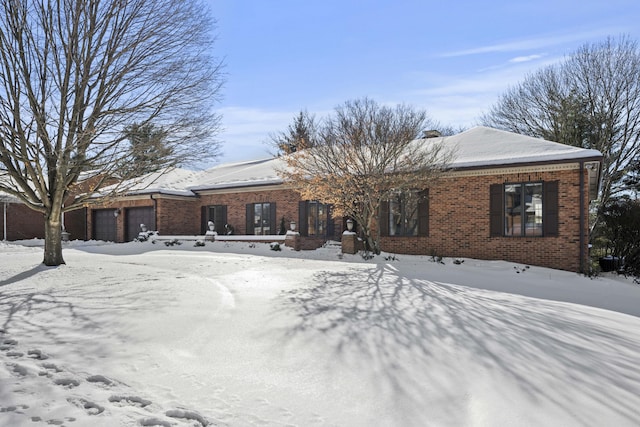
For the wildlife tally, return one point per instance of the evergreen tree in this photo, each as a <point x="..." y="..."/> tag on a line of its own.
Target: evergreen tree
<point x="300" y="134"/>
<point x="148" y="148"/>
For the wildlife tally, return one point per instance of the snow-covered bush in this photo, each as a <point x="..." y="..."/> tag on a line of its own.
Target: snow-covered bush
<point x="275" y="246"/>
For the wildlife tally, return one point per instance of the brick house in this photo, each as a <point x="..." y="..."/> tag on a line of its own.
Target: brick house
<point x="18" y="222"/>
<point x="506" y="197"/>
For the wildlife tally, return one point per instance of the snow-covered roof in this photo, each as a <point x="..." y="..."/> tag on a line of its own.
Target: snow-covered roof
<point x="484" y="147"/>
<point x="243" y="174"/>
<point x="5" y="197"/>
<point x="183" y="182"/>
<point x="8" y="198"/>
<point x="474" y="148"/>
<point x="173" y="182"/>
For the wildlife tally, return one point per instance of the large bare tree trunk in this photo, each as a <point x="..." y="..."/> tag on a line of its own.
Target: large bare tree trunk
<point x="52" y="241"/>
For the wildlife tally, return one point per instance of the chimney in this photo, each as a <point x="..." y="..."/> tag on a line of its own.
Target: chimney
<point x="431" y="134"/>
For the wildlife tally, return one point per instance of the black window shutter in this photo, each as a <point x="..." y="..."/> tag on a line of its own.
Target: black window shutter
<point x="273" y="221"/>
<point x="223" y="218"/>
<point x="203" y="219"/>
<point x="423" y="214"/>
<point x="331" y="227"/>
<point x="303" y="226"/>
<point x="219" y="217"/>
<point x="249" y="220"/>
<point x="496" y="210"/>
<point x="384" y="218"/>
<point x="550" y="208"/>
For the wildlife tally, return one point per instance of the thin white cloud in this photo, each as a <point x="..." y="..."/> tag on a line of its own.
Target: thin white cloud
<point x="461" y="100"/>
<point x="536" y="43"/>
<point x="527" y="58"/>
<point x="246" y="131"/>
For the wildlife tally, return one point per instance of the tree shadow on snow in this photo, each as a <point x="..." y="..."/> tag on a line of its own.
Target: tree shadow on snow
<point x="24" y="275"/>
<point x="405" y="330"/>
<point x="72" y="315"/>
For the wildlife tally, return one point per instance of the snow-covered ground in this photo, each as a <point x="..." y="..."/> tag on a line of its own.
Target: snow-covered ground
<point x="236" y="334"/>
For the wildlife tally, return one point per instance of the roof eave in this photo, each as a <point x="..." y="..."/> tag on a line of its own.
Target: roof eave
<point x="497" y="165"/>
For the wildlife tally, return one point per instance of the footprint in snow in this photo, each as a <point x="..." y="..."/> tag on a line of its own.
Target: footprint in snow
<point x="101" y="380"/>
<point x="55" y="421"/>
<point x="8" y="344"/>
<point x="17" y="370"/>
<point x="50" y="369"/>
<point x="37" y="354"/>
<point x="67" y="382"/>
<point x="187" y="415"/>
<point x="14" y="408"/>
<point x="15" y="354"/>
<point x="154" y="422"/>
<point x="130" y="401"/>
<point x="90" y="407"/>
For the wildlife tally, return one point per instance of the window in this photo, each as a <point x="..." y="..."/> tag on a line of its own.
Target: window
<point x="315" y="219"/>
<point x="261" y="218"/>
<point x="527" y="209"/>
<point x="523" y="209"/>
<point x="405" y="214"/>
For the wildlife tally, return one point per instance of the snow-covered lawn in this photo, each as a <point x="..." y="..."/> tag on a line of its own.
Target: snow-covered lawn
<point x="236" y="334"/>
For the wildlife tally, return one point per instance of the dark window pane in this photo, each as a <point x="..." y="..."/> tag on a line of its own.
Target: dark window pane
<point x="395" y="216"/>
<point x="533" y="209"/>
<point x="312" y="219"/>
<point x="266" y="218"/>
<point x="512" y="210"/>
<point x="410" y="217"/>
<point x="403" y="214"/>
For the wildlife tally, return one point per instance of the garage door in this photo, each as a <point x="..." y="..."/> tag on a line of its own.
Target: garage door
<point x="104" y="225"/>
<point x="137" y="216"/>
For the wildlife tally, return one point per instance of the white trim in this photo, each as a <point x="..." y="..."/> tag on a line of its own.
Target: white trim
<point x="172" y="197"/>
<point x="235" y="190"/>
<point x="513" y="170"/>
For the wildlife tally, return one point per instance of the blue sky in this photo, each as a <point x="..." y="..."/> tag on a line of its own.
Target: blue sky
<point x="452" y="59"/>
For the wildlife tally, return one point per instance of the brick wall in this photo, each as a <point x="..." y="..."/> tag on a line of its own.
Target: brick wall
<point x="76" y="224"/>
<point x="22" y="222"/>
<point x="459" y="223"/>
<point x="286" y="205"/>
<point x="178" y="216"/>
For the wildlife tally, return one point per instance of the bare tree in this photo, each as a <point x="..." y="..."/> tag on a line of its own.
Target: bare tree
<point x="590" y="100"/>
<point x="75" y="73"/>
<point x="298" y="136"/>
<point x="365" y="154"/>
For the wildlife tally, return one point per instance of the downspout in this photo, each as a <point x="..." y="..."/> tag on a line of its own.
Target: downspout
<point x="582" y="218"/>
<point x="4" y="222"/>
<point x="155" y="211"/>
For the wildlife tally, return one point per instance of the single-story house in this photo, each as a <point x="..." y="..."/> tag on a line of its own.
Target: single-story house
<point x="506" y="197"/>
